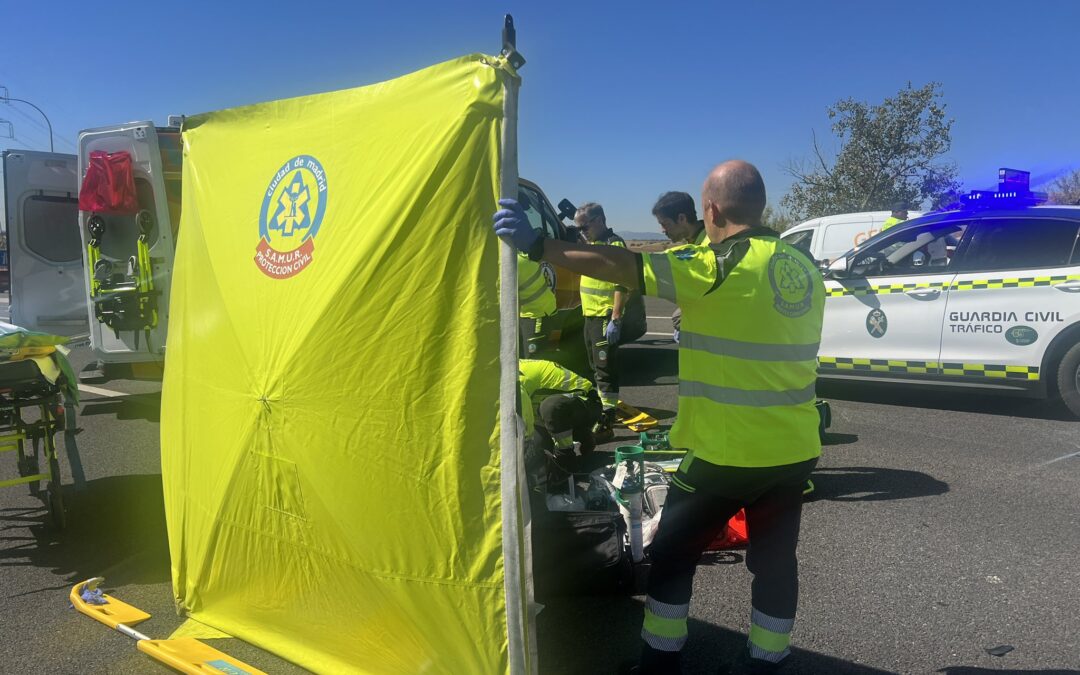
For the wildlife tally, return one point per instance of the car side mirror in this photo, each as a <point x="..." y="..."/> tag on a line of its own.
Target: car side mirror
<point x="567" y="210"/>
<point x="837" y="268"/>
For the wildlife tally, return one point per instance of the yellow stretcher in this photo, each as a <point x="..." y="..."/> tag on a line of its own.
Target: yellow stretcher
<point x="634" y="419"/>
<point x="185" y="655"/>
<point x="34" y="383"/>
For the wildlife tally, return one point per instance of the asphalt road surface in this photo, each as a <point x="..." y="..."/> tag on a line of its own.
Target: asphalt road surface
<point x="945" y="525"/>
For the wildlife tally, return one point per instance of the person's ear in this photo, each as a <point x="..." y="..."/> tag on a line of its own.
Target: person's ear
<point x="712" y="210"/>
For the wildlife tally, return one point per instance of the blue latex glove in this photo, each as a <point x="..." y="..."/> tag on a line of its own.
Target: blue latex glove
<point x="93" y="597"/>
<point x="612" y="332"/>
<point x="512" y="224"/>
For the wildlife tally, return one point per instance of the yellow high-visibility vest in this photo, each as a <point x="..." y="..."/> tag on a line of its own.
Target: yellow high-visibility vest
<point x="890" y="222"/>
<point x="751" y="325"/>
<point x="535" y="298"/>
<point x="540" y="379"/>
<point x="598" y="297"/>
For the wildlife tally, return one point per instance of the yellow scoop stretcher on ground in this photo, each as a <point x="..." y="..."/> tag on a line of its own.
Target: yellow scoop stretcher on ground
<point x="634" y="419"/>
<point x="185" y="655"/>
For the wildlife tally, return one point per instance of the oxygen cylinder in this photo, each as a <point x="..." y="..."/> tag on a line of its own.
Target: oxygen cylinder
<point x="630" y="467"/>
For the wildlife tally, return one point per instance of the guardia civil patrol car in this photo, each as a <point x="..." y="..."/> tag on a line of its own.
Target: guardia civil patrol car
<point x="986" y="295"/>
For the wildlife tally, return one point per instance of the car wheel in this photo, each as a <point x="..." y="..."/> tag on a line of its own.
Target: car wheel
<point x="1068" y="379"/>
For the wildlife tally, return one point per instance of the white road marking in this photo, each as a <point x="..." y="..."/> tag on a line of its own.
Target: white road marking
<point x="1068" y="456"/>
<point x="670" y="335"/>
<point x="658" y="317"/>
<point x="108" y="393"/>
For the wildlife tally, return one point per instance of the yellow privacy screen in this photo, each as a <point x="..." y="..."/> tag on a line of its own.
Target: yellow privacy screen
<point x="330" y="406"/>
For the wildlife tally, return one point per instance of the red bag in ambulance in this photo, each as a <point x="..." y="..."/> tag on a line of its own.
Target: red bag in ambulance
<point x="109" y="185"/>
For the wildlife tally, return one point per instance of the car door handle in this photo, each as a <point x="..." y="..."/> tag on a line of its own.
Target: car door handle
<point x="925" y="294"/>
<point x="1070" y="286"/>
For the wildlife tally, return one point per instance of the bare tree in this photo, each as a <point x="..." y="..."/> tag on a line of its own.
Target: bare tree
<point x="889" y="153"/>
<point x="1066" y="189"/>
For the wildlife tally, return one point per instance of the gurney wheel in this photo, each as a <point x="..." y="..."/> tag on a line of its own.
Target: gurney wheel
<point x="55" y="499"/>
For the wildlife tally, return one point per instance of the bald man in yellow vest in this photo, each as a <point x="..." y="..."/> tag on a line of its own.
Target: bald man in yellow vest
<point x="752" y="314"/>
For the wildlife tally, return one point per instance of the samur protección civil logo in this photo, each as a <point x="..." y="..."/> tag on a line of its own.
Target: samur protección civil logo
<point x="791" y="284"/>
<point x="289" y="219"/>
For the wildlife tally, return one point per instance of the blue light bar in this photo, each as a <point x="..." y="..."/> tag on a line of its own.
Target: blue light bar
<point x="1013" y="191"/>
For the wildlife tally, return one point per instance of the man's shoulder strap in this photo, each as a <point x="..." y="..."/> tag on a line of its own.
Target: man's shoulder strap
<point x="730" y="252"/>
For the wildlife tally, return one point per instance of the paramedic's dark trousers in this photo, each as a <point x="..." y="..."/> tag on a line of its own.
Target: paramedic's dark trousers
<point x="532" y="335"/>
<point x="702" y="499"/>
<point x="560" y="421"/>
<point x="603" y="359"/>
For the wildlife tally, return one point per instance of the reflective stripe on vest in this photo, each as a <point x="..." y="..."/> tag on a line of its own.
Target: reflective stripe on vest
<point x="747" y="358"/>
<point x="598" y="297"/>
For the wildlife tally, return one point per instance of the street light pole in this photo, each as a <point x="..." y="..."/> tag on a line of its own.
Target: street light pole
<point x="6" y="98"/>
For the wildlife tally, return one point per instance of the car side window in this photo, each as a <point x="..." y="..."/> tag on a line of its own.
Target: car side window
<point x="1021" y="243"/>
<point x="918" y="250"/>
<point x="536" y="212"/>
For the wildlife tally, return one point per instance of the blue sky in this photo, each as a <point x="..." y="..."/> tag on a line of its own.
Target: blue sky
<point x="620" y="101"/>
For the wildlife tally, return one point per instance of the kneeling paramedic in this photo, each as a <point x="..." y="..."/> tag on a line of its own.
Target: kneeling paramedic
<point x="752" y="313"/>
<point x="565" y="407"/>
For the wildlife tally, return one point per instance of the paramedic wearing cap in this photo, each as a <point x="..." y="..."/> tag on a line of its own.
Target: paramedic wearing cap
<point x="677" y="217"/>
<point x="899" y="215"/>
<point x="752" y="313"/>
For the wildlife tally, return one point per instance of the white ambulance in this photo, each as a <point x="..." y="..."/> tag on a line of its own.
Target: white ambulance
<point x="984" y="296"/>
<point x="828" y="237"/>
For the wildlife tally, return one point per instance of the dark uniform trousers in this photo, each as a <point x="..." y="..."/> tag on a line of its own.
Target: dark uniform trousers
<point x="772" y="497"/>
<point x="603" y="358"/>
<point x="531" y="330"/>
<point x="560" y="413"/>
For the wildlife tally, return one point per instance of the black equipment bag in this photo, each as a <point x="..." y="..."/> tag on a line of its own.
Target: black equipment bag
<point x="579" y="552"/>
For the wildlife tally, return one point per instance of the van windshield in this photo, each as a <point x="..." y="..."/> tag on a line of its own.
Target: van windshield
<point x="800" y="240"/>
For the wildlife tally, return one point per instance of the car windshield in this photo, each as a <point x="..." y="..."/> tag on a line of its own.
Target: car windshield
<point x="912" y="250"/>
<point x="878" y="236"/>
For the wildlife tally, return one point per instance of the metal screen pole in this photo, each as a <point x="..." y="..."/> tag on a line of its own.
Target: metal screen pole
<point x="508" y="387"/>
<point x="514" y="563"/>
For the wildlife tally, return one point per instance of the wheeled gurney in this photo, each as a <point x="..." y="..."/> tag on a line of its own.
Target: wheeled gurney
<point x="24" y="390"/>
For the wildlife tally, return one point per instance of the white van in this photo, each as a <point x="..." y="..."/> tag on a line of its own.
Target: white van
<point x="829" y="237"/>
<point x="41" y="212"/>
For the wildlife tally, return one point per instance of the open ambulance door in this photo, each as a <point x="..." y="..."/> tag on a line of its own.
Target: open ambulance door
<point x="48" y="293"/>
<point x="128" y="280"/>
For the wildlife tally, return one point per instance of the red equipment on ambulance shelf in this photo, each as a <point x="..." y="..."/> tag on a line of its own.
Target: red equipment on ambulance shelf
<point x="109" y="185"/>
